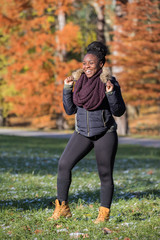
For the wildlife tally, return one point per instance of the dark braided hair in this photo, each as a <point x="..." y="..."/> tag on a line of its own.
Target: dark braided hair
<point x="99" y="50"/>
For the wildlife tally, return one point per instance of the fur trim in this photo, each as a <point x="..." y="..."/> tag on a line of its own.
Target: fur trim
<point x="105" y="75"/>
<point x="76" y="74"/>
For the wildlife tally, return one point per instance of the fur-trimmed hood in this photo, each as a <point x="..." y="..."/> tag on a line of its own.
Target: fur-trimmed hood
<point x="105" y="75"/>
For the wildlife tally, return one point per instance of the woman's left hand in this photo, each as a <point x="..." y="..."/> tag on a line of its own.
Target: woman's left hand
<point x="109" y="86"/>
<point x="69" y="80"/>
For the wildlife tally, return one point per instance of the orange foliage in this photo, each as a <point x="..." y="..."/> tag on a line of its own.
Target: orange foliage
<point x="57" y="5"/>
<point x="68" y="40"/>
<point x="34" y="67"/>
<point x="136" y="51"/>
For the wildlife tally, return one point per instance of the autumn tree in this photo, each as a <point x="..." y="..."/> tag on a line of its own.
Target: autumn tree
<point x="5" y="90"/>
<point x="35" y="67"/>
<point x="43" y="41"/>
<point x="137" y="52"/>
<point x="43" y="34"/>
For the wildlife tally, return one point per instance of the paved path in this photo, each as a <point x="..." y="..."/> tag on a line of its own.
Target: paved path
<point x="122" y="140"/>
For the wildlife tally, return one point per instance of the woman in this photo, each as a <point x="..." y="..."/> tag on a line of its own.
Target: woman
<point x="95" y="98"/>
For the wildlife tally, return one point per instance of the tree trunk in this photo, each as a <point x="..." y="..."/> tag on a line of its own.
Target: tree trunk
<point x="99" y="9"/>
<point x="61" y="23"/>
<point x="118" y="7"/>
<point x="61" y="52"/>
<point x="61" y="123"/>
<point x="122" y="122"/>
<point x="1" y="117"/>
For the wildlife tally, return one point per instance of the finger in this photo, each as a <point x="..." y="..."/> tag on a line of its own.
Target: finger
<point x="69" y="80"/>
<point x="109" y="83"/>
<point x="109" y="86"/>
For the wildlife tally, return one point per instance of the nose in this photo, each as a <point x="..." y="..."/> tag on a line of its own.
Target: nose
<point x="87" y="65"/>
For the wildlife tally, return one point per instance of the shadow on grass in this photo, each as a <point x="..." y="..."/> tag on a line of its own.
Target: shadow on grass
<point x="48" y="165"/>
<point x="85" y="197"/>
<point x="20" y="155"/>
<point x="39" y="156"/>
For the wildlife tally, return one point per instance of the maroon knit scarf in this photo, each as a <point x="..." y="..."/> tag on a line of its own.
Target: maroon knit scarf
<point x="89" y="92"/>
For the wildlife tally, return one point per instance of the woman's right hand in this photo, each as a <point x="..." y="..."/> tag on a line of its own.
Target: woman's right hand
<point x="69" y="80"/>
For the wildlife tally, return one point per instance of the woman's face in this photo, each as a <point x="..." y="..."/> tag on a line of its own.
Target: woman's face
<point x="91" y="65"/>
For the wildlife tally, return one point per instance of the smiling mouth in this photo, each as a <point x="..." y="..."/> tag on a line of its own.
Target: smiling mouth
<point x="88" y="71"/>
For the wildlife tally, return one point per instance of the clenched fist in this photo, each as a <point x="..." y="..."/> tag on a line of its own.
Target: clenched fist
<point x="109" y="86"/>
<point x="69" y="80"/>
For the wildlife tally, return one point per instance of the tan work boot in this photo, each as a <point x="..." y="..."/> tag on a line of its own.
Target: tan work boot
<point x="60" y="210"/>
<point x="103" y="215"/>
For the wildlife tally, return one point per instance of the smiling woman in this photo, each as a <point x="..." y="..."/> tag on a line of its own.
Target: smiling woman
<point x="95" y="99"/>
<point x="91" y="65"/>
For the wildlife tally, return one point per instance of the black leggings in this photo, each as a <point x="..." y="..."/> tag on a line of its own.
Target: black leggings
<point x="105" y="146"/>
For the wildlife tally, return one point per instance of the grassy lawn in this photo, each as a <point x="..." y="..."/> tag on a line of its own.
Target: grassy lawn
<point x="28" y="186"/>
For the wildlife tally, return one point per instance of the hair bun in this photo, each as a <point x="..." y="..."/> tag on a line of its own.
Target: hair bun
<point x="98" y="47"/>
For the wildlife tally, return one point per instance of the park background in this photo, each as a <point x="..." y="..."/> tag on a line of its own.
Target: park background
<point x="43" y="41"/>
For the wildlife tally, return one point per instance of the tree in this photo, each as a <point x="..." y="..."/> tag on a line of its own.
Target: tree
<point x="99" y="7"/>
<point x="136" y="44"/>
<point x="35" y="67"/>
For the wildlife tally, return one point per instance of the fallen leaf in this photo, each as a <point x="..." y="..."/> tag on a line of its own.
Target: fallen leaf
<point x="58" y="226"/>
<point x="37" y="231"/>
<point x="91" y="205"/>
<point x="27" y="228"/>
<point x="107" y="230"/>
<point x="85" y="235"/>
<point x="150" y="172"/>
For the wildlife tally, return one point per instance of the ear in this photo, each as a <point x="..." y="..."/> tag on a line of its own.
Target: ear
<point x="101" y="64"/>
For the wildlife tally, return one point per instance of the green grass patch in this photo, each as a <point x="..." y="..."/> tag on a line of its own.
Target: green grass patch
<point x="28" y="168"/>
